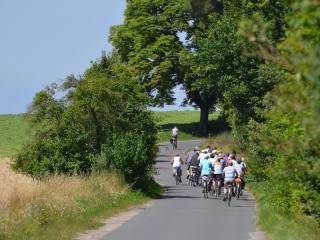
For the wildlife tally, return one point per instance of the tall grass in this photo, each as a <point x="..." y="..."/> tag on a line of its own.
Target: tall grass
<point x="31" y="209"/>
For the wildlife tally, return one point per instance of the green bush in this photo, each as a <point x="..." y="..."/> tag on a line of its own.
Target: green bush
<point x="100" y="123"/>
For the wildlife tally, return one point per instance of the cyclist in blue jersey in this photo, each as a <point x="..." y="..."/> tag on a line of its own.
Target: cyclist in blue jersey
<point x="206" y="167"/>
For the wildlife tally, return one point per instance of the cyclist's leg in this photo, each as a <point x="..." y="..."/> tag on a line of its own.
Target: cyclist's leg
<point x="179" y="172"/>
<point x="214" y="182"/>
<point x="188" y="172"/>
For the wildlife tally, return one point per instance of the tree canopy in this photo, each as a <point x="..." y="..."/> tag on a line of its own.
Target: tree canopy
<point x="153" y="39"/>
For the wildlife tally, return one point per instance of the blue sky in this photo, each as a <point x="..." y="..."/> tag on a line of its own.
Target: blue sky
<point x="44" y="41"/>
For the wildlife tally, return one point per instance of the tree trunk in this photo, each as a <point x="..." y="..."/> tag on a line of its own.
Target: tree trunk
<point x="204" y="105"/>
<point x="204" y="119"/>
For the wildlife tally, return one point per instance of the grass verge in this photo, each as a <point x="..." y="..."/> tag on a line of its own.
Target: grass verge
<point x="278" y="226"/>
<point x="61" y="206"/>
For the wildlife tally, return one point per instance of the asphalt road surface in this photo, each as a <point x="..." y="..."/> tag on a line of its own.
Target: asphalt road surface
<point x="183" y="213"/>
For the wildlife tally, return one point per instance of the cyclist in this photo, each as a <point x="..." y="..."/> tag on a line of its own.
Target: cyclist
<point x="244" y="165"/>
<point x="229" y="173"/>
<point x="195" y="151"/>
<point x="203" y="155"/>
<point x="241" y="170"/>
<point x="174" y="133"/>
<point x="225" y="159"/>
<point x="193" y="164"/>
<point x="205" y="167"/>
<point x="217" y="172"/>
<point x="232" y="159"/>
<point x="209" y="149"/>
<point x="176" y="162"/>
<point x="212" y="159"/>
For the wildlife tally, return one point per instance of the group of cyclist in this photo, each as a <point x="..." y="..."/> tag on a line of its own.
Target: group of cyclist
<point x="213" y="164"/>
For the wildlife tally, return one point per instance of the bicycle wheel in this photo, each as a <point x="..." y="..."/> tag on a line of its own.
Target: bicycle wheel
<point x="174" y="143"/>
<point x="204" y="189"/>
<point x="193" y="179"/>
<point x="212" y="192"/>
<point x="229" y="194"/>
<point x="207" y="190"/>
<point x="217" y="188"/>
<point x="177" y="179"/>
<point x="238" y="190"/>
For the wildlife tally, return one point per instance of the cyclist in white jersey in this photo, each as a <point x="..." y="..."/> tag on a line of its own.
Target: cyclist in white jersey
<point x="217" y="172"/>
<point x="203" y="155"/>
<point x="229" y="173"/>
<point x="176" y="162"/>
<point x="174" y="133"/>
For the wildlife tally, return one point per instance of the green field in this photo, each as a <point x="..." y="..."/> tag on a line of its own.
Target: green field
<point x="14" y="128"/>
<point x="13" y="133"/>
<point x="188" y="124"/>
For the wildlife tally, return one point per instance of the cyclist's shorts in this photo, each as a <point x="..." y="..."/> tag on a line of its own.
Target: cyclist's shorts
<point x="194" y="168"/>
<point x="178" y="171"/>
<point x="228" y="181"/>
<point x="217" y="176"/>
<point x="205" y="177"/>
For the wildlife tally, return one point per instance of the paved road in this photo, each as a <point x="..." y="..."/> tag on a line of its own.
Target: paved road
<point x="183" y="213"/>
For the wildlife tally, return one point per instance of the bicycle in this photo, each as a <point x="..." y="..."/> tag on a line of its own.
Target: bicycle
<point x="238" y="187"/>
<point x="178" y="175"/>
<point x="174" y="142"/>
<point x="205" y="186"/>
<point x="218" y="187"/>
<point x="193" y="176"/>
<point x="178" y="179"/>
<point x="229" y="193"/>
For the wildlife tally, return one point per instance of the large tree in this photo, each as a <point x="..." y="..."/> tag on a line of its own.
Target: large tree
<point x="225" y="62"/>
<point x="153" y="41"/>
